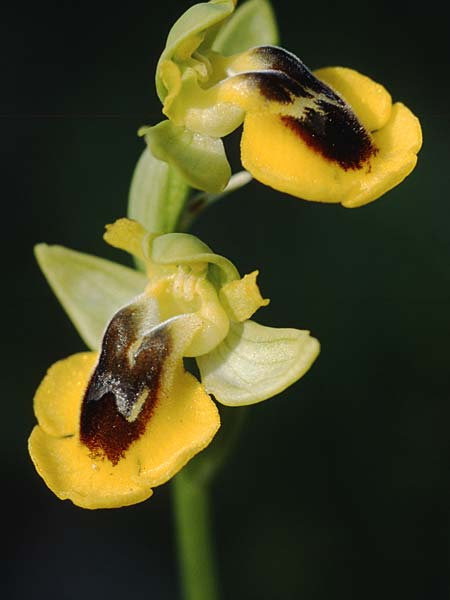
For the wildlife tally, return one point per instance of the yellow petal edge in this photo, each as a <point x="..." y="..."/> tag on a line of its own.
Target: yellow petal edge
<point x="184" y="422"/>
<point x="277" y="157"/>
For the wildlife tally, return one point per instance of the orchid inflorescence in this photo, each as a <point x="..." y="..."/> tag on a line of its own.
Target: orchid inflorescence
<point x="127" y="416"/>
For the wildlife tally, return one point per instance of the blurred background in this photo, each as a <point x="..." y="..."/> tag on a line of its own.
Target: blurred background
<point x="339" y="486"/>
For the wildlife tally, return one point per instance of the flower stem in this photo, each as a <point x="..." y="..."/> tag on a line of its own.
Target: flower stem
<point x="195" y="547"/>
<point x="191" y="489"/>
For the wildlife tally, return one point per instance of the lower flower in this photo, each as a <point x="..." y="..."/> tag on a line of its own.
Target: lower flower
<point x="114" y="424"/>
<point x="181" y="420"/>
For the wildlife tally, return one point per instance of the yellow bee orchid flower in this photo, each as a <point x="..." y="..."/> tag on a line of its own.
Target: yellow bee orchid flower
<point x="332" y="135"/>
<point x="118" y="421"/>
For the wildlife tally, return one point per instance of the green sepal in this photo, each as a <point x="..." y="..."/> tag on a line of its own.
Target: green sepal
<point x="157" y="195"/>
<point x="200" y="159"/>
<point x="253" y="24"/>
<point x="196" y="20"/>
<point x="255" y="362"/>
<point x="184" y="248"/>
<point x="90" y="289"/>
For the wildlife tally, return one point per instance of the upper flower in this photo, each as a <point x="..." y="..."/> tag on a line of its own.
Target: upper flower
<point x="329" y="136"/>
<point x="118" y="421"/>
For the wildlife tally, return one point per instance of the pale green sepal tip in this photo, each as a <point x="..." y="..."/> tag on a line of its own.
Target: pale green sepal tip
<point x="253" y="24"/>
<point x="200" y="159"/>
<point x="157" y="194"/>
<point x="90" y="289"/>
<point x="196" y="19"/>
<point x="184" y="248"/>
<point x="255" y="362"/>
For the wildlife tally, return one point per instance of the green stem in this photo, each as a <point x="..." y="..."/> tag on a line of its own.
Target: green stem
<point x="195" y="547"/>
<point x="196" y="555"/>
<point x="192" y="509"/>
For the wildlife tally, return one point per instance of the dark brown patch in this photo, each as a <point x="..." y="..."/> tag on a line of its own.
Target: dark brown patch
<point x="335" y="133"/>
<point x="116" y="386"/>
<point x="281" y="60"/>
<point x="276" y="86"/>
<point x="330" y="128"/>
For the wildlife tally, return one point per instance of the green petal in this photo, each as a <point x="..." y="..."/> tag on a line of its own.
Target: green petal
<point x="195" y="20"/>
<point x="157" y="194"/>
<point x="255" y="362"/>
<point x="253" y="24"/>
<point x="90" y="289"/>
<point x="183" y="248"/>
<point x="200" y="159"/>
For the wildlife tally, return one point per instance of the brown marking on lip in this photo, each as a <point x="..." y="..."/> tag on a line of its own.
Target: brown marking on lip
<point x="123" y="378"/>
<point x="281" y="60"/>
<point x="330" y="127"/>
<point x="277" y="86"/>
<point x="335" y="133"/>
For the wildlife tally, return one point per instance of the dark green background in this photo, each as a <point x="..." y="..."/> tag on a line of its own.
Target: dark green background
<point x="340" y="486"/>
